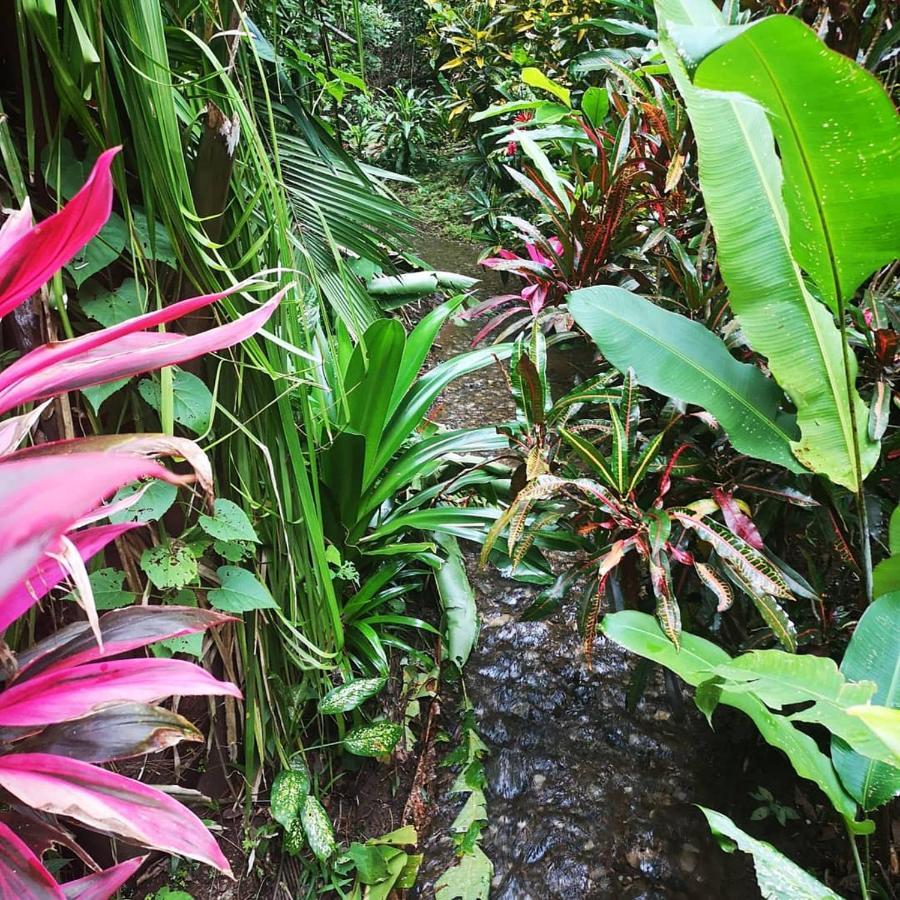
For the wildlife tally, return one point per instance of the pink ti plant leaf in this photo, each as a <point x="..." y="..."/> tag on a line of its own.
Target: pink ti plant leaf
<point x="40" y="498"/>
<point x="102" y="885"/>
<point x="22" y="874"/>
<point x="122" y="351"/>
<point x="110" y="803"/>
<point x="737" y="520"/>
<point x="66" y="694"/>
<point x="30" y="257"/>
<point x="48" y="573"/>
<point x="123" y="630"/>
<point x="116" y="732"/>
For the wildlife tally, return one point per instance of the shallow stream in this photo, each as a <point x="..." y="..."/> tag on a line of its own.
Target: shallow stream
<point x="585" y="799"/>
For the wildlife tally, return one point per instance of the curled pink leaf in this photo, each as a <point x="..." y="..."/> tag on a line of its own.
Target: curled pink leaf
<point x="41" y="498"/>
<point x="737" y="520"/>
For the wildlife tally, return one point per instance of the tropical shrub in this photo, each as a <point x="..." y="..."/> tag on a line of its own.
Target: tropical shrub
<point x="65" y="707"/>
<point x="612" y="180"/>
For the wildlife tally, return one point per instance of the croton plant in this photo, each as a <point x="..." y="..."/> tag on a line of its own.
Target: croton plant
<point x="75" y="700"/>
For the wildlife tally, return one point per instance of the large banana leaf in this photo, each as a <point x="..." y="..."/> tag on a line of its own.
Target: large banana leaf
<point x="694" y="662"/>
<point x="838" y="138"/>
<point x="683" y="359"/>
<point x="872" y="653"/>
<point x="741" y="178"/>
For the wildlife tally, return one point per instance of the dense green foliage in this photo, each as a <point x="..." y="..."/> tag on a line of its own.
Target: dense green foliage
<point x="706" y="197"/>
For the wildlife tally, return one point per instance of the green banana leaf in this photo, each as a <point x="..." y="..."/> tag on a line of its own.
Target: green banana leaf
<point x="461" y="621"/>
<point x="838" y="138"/>
<point x="873" y="653"/>
<point x="777" y="876"/>
<point x="694" y="662"/>
<point x="741" y="179"/>
<point x="682" y="359"/>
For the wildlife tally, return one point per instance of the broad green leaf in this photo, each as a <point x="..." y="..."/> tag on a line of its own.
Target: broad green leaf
<point x="193" y="402"/>
<point x="469" y="879"/>
<point x="461" y="620"/>
<point x="155" y="501"/>
<point x="536" y="78"/>
<point x="240" y="591"/>
<point x="369" y="384"/>
<point x="98" y="395"/>
<point x="318" y="829"/>
<point x="157" y="245"/>
<point x="102" y="251"/>
<point x="373" y="740"/>
<point x="884" y="723"/>
<point x="894" y="533"/>
<point x="346" y="697"/>
<point x="781" y="680"/>
<point x="741" y="179"/>
<point x="778" y="878"/>
<point x="474" y="810"/>
<point x="694" y="662"/>
<point x="595" y="105"/>
<point x="886" y="577"/>
<point x="288" y="796"/>
<point x="228" y="523"/>
<point x="169" y="565"/>
<point x="189" y="644"/>
<point x="109" y="308"/>
<point x="684" y="360"/>
<point x="872" y="654"/>
<point x="838" y="138"/>
<point x="106" y="585"/>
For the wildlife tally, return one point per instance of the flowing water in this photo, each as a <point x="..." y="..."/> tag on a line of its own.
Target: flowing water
<point x="585" y="798"/>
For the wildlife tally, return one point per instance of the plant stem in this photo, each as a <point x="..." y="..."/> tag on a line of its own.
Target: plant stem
<point x="860" y="873"/>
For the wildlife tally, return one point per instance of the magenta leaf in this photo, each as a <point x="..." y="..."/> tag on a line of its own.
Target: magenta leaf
<point x="122" y="351"/>
<point x="32" y="258"/>
<point x="48" y="573"/>
<point x="102" y="885"/>
<point x="68" y="694"/>
<point x="119" y="732"/>
<point x="41" y="498"/>
<point x="41" y="834"/>
<point x="737" y="520"/>
<point x="149" y="445"/>
<point x="123" y="630"/>
<point x="110" y="803"/>
<point x="21" y="873"/>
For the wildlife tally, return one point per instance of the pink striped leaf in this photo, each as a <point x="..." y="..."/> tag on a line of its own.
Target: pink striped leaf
<point x="102" y="885"/>
<point x="30" y="257"/>
<point x="41" y="498"/>
<point x="48" y="573"/>
<point x="110" y="803"/>
<point x="122" y="351"/>
<point x="21" y="873"/>
<point x="117" y="732"/>
<point x="123" y="630"/>
<point x="71" y="693"/>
